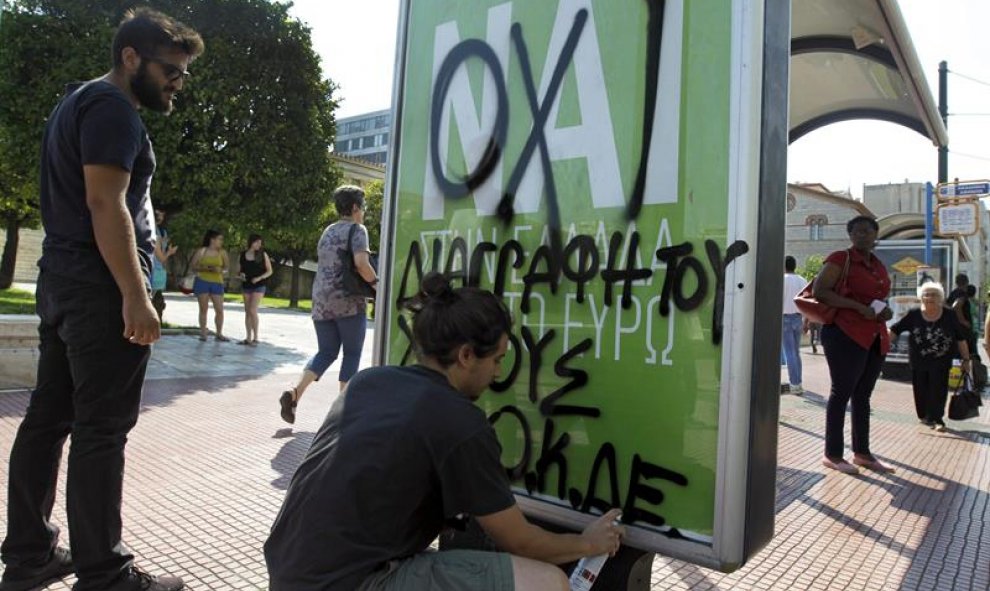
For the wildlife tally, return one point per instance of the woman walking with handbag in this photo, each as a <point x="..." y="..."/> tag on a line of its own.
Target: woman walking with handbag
<point x="935" y="336"/>
<point x="855" y="283"/>
<point x="339" y="316"/>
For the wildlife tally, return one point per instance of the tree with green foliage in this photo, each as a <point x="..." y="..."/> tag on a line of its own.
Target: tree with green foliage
<point x="247" y="147"/>
<point x="299" y="242"/>
<point x="374" y="197"/>
<point x="39" y="54"/>
<point x="812" y="265"/>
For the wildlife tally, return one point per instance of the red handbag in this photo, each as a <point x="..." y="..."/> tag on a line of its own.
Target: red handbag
<point x="815" y="311"/>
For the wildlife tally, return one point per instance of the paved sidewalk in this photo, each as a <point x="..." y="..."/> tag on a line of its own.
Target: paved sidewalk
<point x="209" y="461"/>
<point x="287" y="341"/>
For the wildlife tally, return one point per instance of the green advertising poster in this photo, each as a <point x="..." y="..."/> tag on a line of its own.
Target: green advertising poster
<point x="577" y="157"/>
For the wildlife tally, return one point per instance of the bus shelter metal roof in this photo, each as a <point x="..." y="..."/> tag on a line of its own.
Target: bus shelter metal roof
<point x="854" y="59"/>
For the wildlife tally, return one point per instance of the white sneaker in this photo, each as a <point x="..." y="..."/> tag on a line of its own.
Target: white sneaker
<point x="796" y="389"/>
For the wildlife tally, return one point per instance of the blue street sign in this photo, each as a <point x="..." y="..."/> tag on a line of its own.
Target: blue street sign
<point x="964" y="189"/>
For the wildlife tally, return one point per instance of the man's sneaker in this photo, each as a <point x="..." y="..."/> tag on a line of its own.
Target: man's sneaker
<point x="796" y="389"/>
<point x="940" y="426"/>
<point x="60" y="565"/>
<point x="136" y="579"/>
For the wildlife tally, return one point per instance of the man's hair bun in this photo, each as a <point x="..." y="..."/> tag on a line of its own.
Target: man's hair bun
<point x="445" y="318"/>
<point x="436" y="287"/>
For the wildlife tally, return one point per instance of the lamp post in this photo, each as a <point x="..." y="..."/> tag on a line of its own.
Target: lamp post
<point x="943" y="110"/>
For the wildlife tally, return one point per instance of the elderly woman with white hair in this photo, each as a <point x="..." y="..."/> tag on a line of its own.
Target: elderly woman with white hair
<point x="936" y="335"/>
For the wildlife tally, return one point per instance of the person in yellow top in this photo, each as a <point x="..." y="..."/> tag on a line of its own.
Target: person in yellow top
<point x="210" y="263"/>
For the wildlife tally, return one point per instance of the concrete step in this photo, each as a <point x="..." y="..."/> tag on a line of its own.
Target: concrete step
<point x="18" y="351"/>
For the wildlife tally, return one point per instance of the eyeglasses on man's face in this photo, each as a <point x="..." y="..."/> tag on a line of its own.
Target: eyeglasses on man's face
<point x="172" y="72"/>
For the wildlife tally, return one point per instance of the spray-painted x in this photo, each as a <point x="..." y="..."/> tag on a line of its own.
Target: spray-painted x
<point x="537" y="137"/>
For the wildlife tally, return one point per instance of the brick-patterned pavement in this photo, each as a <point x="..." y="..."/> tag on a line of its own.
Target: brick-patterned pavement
<point x="926" y="527"/>
<point x="209" y="461"/>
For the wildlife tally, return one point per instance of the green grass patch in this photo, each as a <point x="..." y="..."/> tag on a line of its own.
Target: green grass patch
<point x="16" y="301"/>
<point x="283" y="304"/>
<point x="271" y="302"/>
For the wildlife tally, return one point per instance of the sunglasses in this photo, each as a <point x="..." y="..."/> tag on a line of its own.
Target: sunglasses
<point x="172" y="72"/>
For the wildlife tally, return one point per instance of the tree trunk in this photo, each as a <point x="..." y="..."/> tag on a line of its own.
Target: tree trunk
<point x="294" y="290"/>
<point x="9" y="260"/>
<point x="275" y="281"/>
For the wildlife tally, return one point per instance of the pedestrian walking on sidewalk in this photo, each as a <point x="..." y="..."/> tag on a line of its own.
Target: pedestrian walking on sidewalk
<point x="961" y="306"/>
<point x="256" y="268"/>
<point x="340" y="318"/>
<point x="97" y="319"/>
<point x="211" y="264"/>
<point x="814" y="330"/>
<point x="855" y="343"/>
<point x="936" y="336"/>
<point x="404" y="453"/>
<point x="164" y="249"/>
<point x="793" y="325"/>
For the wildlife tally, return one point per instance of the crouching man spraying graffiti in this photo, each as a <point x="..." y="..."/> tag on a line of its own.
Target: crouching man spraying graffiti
<point x="405" y="450"/>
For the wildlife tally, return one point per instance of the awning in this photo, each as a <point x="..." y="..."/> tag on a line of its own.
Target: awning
<point x="854" y="59"/>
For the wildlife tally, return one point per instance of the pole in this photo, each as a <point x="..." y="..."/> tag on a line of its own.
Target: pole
<point x="943" y="110"/>
<point x="929" y="191"/>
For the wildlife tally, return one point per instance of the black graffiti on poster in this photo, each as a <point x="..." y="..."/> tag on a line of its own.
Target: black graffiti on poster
<point x="577" y="262"/>
<point x="679" y="260"/>
<point x="466" y="50"/>
<point x="466" y="265"/>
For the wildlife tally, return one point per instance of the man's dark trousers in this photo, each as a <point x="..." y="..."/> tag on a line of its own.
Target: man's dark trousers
<point x="89" y="385"/>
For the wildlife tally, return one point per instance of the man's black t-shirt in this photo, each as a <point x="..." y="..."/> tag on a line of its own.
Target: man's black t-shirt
<point x="95" y="123"/>
<point x="399" y="453"/>
<point x="933" y="344"/>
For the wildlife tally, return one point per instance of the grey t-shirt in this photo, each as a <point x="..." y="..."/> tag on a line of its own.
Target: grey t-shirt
<point x="400" y="453"/>
<point x="330" y="301"/>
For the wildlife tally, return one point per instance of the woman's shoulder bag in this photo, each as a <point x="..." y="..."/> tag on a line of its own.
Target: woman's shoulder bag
<point x="353" y="283"/>
<point x="811" y="308"/>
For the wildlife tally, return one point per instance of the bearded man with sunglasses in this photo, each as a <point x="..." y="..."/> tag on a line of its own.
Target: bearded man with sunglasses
<point x="97" y="320"/>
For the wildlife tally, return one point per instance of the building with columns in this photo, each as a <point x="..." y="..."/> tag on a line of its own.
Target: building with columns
<point x="816" y="220"/>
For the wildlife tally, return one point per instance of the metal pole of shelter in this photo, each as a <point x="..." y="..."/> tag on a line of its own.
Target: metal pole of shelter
<point x="943" y="110"/>
<point x="929" y="191"/>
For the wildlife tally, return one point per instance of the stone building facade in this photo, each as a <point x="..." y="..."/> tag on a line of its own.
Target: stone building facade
<point x="816" y="220"/>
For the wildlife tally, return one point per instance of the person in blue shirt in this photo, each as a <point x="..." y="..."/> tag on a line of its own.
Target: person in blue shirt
<point x="164" y="249"/>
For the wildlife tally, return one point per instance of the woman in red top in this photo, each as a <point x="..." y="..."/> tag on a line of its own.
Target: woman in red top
<point x="855" y="343"/>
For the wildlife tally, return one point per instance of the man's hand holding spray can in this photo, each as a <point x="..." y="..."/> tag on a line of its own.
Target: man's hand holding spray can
<point x="588" y="568"/>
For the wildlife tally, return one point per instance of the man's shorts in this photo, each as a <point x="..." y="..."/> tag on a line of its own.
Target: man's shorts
<point x="207" y="287"/>
<point x="450" y="570"/>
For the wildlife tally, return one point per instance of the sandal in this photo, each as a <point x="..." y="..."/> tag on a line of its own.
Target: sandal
<point x="202" y="337"/>
<point x="287" y="402"/>
<point x="244" y="342"/>
<point x="873" y="464"/>
<point x="840" y="465"/>
<point x="222" y="338"/>
<point x="254" y="343"/>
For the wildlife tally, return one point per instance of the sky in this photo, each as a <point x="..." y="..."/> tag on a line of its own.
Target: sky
<point x="356" y="41"/>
